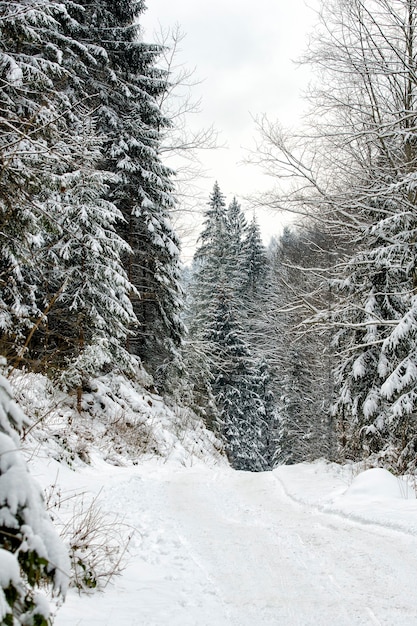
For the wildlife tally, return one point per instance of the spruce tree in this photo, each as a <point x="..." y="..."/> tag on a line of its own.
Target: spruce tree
<point x="89" y="324"/>
<point x="255" y="262"/>
<point x="124" y="88"/>
<point x="34" y="145"/>
<point x="236" y="230"/>
<point x="231" y="376"/>
<point x="207" y="272"/>
<point x="31" y="553"/>
<point x="236" y="387"/>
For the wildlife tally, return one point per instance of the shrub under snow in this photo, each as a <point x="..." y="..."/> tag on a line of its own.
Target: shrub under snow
<point x="31" y="553"/>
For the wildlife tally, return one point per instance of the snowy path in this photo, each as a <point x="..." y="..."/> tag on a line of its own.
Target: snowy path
<point x="217" y="547"/>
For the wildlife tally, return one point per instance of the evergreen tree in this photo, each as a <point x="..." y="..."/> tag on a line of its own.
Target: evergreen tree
<point x="255" y="263"/>
<point x="209" y="268"/>
<point x="207" y="274"/>
<point x="124" y="89"/>
<point x="375" y="376"/>
<point x="235" y="381"/>
<point x="90" y="322"/>
<point x="31" y="553"/>
<point x="269" y="423"/>
<point x="236" y="385"/>
<point x="236" y="229"/>
<point x="34" y="145"/>
<point x="254" y="288"/>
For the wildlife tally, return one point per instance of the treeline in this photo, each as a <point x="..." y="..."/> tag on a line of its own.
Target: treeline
<point x="351" y="172"/>
<point x="264" y="387"/>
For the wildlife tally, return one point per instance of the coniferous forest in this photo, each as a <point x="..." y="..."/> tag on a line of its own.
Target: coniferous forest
<point x="289" y="350"/>
<point x="300" y="349"/>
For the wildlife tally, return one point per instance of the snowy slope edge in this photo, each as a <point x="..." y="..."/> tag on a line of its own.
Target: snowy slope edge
<point x="331" y="488"/>
<point x="122" y="421"/>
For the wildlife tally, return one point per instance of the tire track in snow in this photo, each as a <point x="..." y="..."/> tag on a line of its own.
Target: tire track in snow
<point x="277" y="562"/>
<point x="225" y="548"/>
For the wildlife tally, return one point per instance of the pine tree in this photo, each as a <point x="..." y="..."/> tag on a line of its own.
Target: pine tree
<point x="31" y="553"/>
<point x="33" y="146"/>
<point x="124" y="89"/>
<point x="231" y="376"/>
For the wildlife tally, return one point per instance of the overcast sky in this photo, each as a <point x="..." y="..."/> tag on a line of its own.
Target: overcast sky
<point x="243" y="52"/>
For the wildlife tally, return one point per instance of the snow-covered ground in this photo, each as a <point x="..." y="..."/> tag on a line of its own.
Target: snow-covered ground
<point x="310" y="544"/>
<point x="307" y="544"/>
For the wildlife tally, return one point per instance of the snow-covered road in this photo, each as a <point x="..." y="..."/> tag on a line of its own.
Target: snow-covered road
<point x="215" y="547"/>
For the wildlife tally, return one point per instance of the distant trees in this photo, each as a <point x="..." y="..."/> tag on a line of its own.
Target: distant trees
<point x="236" y="384"/>
<point x="299" y="360"/>
<point x="255" y="262"/>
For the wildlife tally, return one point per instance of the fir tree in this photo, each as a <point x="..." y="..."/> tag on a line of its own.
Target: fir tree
<point x="31" y="553"/>
<point x="125" y="88"/>
<point x="231" y="375"/>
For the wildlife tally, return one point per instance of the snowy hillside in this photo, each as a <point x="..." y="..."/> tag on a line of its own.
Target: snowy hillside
<point x="122" y="421"/>
<point x="196" y="543"/>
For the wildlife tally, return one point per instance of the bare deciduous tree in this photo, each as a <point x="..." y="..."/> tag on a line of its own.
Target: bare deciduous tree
<point x="353" y="168"/>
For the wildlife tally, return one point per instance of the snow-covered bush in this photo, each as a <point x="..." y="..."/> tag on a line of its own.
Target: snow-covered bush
<point x="31" y="553"/>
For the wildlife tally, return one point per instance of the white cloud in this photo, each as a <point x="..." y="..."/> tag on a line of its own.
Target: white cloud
<point x="244" y="52"/>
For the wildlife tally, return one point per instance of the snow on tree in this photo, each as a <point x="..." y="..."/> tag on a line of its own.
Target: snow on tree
<point x="231" y="375"/>
<point x="89" y="324"/>
<point x="255" y="262"/>
<point x="298" y="362"/>
<point x="377" y="375"/>
<point x="236" y="229"/>
<point x="236" y="387"/>
<point x="124" y="88"/>
<point x="32" y="147"/>
<point x="207" y="272"/>
<point x="43" y="147"/>
<point x="31" y="553"/>
<point x="209" y="267"/>
<point x="354" y="170"/>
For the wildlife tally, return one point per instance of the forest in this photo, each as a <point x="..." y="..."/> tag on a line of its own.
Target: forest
<point x="291" y="351"/>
